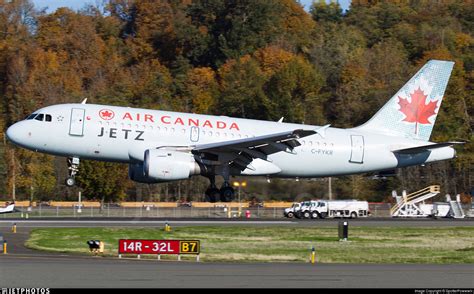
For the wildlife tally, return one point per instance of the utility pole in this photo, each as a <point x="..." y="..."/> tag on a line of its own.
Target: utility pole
<point x="13" y="176"/>
<point x="330" y="188"/>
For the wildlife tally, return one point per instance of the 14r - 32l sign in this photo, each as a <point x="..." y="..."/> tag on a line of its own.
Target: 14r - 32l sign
<point x="134" y="246"/>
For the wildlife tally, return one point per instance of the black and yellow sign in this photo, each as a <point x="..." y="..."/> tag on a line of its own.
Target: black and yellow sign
<point x="189" y="247"/>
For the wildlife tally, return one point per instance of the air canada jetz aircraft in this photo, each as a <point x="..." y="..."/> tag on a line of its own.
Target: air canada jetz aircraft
<point x="161" y="146"/>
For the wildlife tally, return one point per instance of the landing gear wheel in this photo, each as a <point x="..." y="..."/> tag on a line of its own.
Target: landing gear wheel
<point x="73" y="168"/>
<point x="70" y="182"/>
<point x="227" y="194"/>
<point x="212" y="194"/>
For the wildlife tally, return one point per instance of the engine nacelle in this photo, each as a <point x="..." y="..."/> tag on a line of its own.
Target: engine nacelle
<point x="135" y="173"/>
<point x="161" y="165"/>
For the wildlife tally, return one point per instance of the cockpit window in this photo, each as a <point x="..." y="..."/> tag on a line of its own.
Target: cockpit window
<point x="40" y="117"/>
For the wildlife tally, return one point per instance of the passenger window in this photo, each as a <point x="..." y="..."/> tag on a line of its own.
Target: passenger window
<point x="39" y="117"/>
<point x="48" y="117"/>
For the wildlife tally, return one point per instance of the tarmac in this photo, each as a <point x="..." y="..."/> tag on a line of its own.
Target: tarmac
<point x="23" y="267"/>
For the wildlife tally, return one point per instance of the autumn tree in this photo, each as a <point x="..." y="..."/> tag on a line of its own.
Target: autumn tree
<point x="98" y="181"/>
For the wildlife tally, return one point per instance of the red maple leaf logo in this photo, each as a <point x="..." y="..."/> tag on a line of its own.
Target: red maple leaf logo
<point x="417" y="111"/>
<point x="106" y="114"/>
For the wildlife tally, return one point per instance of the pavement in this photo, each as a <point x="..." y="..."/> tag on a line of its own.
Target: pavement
<point x="23" y="267"/>
<point x="80" y="272"/>
<point x="159" y="222"/>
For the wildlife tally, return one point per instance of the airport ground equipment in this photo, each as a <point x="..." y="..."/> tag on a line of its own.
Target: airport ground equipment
<point x="409" y="205"/>
<point x="331" y="209"/>
<point x="96" y="246"/>
<point x="456" y="210"/>
<point x="290" y="211"/>
<point x="413" y="205"/>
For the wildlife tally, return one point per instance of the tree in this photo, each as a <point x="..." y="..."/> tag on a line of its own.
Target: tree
<point x="103" y="181"/>
<point x="235" y="29"/>
<point x="241" y="90"/>
<point x="324" y="12"/>
<point x="294" y="92"/>
<point x="202" y="89"/>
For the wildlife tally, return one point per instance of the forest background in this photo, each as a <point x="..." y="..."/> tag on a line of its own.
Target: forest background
<point x="259" y="59"/>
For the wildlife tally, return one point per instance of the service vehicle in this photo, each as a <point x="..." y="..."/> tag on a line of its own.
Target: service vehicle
<point x="332" y="209"/>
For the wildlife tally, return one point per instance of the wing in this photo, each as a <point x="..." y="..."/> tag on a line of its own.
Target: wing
<point x="240" y="153"/>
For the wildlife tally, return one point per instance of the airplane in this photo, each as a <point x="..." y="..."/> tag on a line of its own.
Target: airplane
<point x="161" y="146"/>
<point x="8" y="209"/>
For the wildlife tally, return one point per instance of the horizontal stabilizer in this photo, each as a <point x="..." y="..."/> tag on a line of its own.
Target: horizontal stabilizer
<point x="419" y="149"/>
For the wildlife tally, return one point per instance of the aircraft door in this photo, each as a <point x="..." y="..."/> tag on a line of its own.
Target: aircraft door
<point x="194" y="134"/>
<point x="76" y="127"/>
<point x="357" y="149"/>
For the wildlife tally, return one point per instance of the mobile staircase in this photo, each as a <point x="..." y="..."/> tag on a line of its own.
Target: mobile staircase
<point x="455" y="207"/>
<point x="407" y="205"/>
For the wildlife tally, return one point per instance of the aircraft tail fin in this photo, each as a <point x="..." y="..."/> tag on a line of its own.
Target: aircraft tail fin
<point x="412" y="111"/>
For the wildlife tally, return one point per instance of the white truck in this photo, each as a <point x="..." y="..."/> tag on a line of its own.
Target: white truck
<point x="290" y="211"/>
<point x="329" y="209"/>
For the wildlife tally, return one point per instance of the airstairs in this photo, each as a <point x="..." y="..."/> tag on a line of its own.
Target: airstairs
<point x="408" y="205"/>
<point x="455" y="207"/>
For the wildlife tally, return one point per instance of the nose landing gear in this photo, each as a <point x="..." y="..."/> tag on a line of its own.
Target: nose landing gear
<point x="73" y="167"/>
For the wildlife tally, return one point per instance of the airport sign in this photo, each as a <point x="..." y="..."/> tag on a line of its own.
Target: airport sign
<point x="141" y="246"/>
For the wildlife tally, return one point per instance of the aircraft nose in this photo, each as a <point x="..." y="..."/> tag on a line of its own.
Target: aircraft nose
<point x="14" y="133"/>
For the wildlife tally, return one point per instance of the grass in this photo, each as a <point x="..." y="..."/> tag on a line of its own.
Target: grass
<point x="282" y="244"/>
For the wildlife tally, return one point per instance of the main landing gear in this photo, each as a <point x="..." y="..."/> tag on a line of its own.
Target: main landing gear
<point x="224" y="194"/>
<point x="73" y="168"/>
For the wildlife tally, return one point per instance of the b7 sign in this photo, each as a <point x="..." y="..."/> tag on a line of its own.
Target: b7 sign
<point x="127" y="246"/>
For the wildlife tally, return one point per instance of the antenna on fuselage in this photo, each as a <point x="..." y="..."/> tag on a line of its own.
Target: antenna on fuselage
<point x="84" y="101"/>
<point x="281" y="119"/>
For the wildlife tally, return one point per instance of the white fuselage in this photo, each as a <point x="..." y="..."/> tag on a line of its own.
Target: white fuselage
<point x="122" y="134"/>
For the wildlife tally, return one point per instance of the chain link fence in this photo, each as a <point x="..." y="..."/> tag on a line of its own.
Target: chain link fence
<point x="116" y="211"/>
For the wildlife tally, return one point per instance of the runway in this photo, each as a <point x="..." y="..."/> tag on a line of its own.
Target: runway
<point x="151" y="222"/>
<point x="81" y="272"/>
<point x="24" y="267"/>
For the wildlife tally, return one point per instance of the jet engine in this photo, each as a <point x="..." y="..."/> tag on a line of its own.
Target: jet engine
<point x="135" y="173"/>
<point x="161" y="165"/>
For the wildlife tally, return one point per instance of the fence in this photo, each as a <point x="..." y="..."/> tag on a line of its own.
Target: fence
<point x="114" y="211"/>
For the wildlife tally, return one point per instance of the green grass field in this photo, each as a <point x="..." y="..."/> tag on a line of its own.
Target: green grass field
<point x="282" y="244"/>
